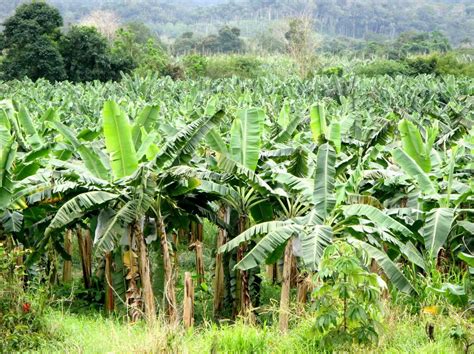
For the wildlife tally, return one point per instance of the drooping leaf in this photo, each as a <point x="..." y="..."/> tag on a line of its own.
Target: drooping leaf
<point x="118" y="140"/>
<point x="77" y="207"/>
<point x="318" y="122"/>
<point x="413" y="144"/>
<point x="181" y="148"/>
<point x="246" y="132"/>
<point x="436" y="229"/>
<point x="378" y="217"/>
<point x="391" y="270"/>
<point x="11" y="221"/>
<point x="413" y="170"/>
<point x="313" y="244"/>
<point x="92" y="161"/>
<point x="413" y="255"/>
<point x="266" y="246"/>
<point x="324" y="198"/>
<point x="259" y="229"/>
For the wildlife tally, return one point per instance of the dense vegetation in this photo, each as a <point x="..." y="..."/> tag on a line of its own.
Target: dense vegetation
<point x="380" y="168"/>
<point x="355" y="19"/>
<point x="222" y="193"/>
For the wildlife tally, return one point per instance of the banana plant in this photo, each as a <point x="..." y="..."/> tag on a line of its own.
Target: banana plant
<point x="131" y="191"/>
<point x="326" y="220"/>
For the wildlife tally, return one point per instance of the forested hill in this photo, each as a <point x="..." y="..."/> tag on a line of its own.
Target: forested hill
<point x="351" y="18"/>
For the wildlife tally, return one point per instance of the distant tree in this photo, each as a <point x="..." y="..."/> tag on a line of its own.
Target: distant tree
<point x="87" y="56"/>
<point x="2" y="42"/>
<point x="209" y="44"/>
<point x="229" y="41"/>
<point x="226" y="41"/>
<point x="301" y="44"/>
<point x="185" y="44"/>
<point x="106" y="22"/>
<point x="270" y="40"/>
<point x="30" y="43"/>
<point x="141" y="32"/>
<point x="131" y="40"/>
<point x="421" y="43"/>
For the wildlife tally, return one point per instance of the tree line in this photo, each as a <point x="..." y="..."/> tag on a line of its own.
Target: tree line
<point x="354" y="19"/>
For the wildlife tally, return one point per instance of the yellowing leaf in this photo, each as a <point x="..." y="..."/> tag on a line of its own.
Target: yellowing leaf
<point x="430" y="310"/>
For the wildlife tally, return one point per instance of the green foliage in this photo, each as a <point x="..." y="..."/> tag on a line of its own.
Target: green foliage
<point x="247" y="67"/>
<point x="451" y="64"/>
<point x="347" y="299"/>
<point x="22" y="325"/>
<point x="227" y="40"/>
<point x="87" y="56"/>
<point x="35" y="48"/>
<point x="195" y="65"/>
<point x="30" y="39"/>
<point x="382" y="67"/>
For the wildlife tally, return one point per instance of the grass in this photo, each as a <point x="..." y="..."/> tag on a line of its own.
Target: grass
<point x="403" y="333"/>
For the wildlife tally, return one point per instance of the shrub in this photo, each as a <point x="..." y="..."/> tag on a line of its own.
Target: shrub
<point x="450" y="64"/>
<point x="195" y="65"/>
<point x="332" y="71"/>
<point x="348" y="304"/>
<point x="440" y="64"/>
<point x="422" y="65"/>
<point x="383" y="67"/>
<point x="238" y="65"/>
<point x="21" y="321"/>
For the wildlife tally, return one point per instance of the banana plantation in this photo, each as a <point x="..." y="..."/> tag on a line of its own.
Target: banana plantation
<point x="267" y="202"/>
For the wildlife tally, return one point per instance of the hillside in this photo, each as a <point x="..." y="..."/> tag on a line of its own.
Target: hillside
<point x="372" y="19"/>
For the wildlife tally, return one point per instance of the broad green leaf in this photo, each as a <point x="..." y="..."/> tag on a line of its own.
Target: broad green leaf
<point x="246" y="133"/>
<point x="216" y="143"/>
<point x="11" y="221"/>
<point x="76" y="207"/>
<point x="313" y="244"/>
<point x="413" y="144"/>
<point x="378" y="217"/>
<point x="468" y="258"/>
<point x="324" y="198"/>
<point x="92" y="161"/>
<point x="413" y="255"/>
<point x="27" y="124"/>
<point x="266" y="246"/>
<point x="318" y="122"/>
<point x="335" y="135"/>
<point x="393" y="273"/>
<point x="467" y="225"/>
<point x="147" y="119"/>
<point x="118" y="140"/>
<point x="284" y="116"/>
<point x="436" y="229"/>
<point x="181" y="148"/>
<point x="413" y="170"/>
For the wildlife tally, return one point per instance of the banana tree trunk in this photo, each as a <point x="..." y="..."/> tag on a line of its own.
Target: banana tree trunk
<point x="199" y="254"/>
<point x="219" y="268"/>
<point x="305" y="285"/>
<point x="285" y="288"/>
<point x="67" y="265"/>
<point x="109" y="293"/>
<point x="243" y="291"/>
<point x="170" y="294"/>
<point x="85" y="251"/>
<point x="145" y="273"/>
<point x="188" y="301"/>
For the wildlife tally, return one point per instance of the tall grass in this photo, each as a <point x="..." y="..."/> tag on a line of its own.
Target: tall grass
<point x="403" y="333"/>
